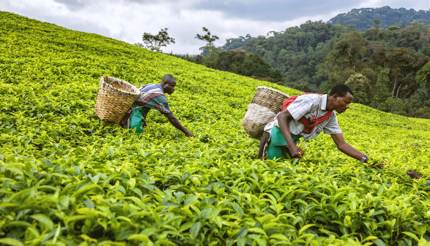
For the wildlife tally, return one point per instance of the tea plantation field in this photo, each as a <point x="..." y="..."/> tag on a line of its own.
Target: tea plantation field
<point x="68" y="179"/>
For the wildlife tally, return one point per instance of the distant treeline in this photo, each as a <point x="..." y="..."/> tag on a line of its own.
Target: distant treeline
<point x="388" y="68"/>
<point x="237" y="61"/>
<point x="365" y="18"/>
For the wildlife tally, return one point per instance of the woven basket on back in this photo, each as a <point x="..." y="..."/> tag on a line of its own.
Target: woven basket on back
<point x="255" y="119"/>
<point x="269" y="98"/>
<point x="265" y="105"/>
<point x="114" y="99"/>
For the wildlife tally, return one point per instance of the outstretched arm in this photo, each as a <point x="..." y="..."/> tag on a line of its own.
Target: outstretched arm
<point x="283" y="119"/>
<point x="175" y="122"/>
<point x="346" y="148"/>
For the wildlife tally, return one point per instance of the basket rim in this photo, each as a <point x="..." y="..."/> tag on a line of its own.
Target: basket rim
<point x="272" y="89"/>
<point x="105" y="82"/>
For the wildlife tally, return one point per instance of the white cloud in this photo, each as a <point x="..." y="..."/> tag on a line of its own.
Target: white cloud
<point x="128" y="19"/>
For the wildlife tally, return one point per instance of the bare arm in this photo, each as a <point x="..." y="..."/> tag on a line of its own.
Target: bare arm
<point x="284" y="119"/>
<point x="175" y="122"/>
<point x="346" y="148"/>
<point x="263" y="144"/>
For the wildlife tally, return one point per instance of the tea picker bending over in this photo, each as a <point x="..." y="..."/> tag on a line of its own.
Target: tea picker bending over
<point x="152" y="96"/>
<point x="306" y="116"/>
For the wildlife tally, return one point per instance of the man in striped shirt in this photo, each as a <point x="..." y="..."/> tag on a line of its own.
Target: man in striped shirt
<point x="306" y="117"/>
<point x="152" y="97"/>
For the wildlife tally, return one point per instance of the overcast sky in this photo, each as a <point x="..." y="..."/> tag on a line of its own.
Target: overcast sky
<point x="127" y="20"/>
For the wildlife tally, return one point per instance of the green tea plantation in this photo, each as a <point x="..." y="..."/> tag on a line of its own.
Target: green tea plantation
<point x="67" y="178"/>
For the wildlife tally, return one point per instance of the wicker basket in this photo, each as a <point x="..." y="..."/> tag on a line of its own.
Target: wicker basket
<point x="114" y="99"/>
<point x="269" y="98"/>
<point x="256" y="118"/>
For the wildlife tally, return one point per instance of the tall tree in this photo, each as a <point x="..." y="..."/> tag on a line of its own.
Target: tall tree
<point x="423" y="77"/>
<point x="207" y="36"/>
<point x="349" y="50"/>
<point x="210" y="38"/>
<point x="155" y="42"/>
<point x="403" y="64"/>
<point x="345" y="58"/>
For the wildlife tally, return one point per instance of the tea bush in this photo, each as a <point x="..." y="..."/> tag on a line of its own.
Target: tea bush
<point x="67" y="178"/>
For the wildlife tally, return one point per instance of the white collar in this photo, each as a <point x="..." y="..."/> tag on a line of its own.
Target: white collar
<point x="324" y="102"/>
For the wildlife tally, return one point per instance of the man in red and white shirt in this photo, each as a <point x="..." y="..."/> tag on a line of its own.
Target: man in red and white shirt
<point x="307" y="116"/>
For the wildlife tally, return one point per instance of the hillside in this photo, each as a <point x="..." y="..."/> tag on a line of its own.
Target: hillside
<point x="67" y="178"/>
<point x="364" y="18"/>
<point x="394" y="62"/>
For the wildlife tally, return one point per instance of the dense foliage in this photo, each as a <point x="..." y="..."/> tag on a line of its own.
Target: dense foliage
<point x="67" y="178"/>
<point x="296" y="52"/>
<point x="237" y="61"/>
<point x="365" y="18"/>
<point x="316" y="55"/>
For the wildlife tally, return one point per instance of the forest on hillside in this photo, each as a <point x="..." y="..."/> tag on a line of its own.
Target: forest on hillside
<point x="386" y="63"/>
<point x="363" y="18"/>
<point x="388" y="68"/>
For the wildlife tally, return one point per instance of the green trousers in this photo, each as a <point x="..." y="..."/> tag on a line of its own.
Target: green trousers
<point x="277" y="147"/>
<point x="136" y="120"/>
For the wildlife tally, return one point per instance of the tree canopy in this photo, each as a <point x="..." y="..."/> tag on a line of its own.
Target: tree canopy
<point x="365" y="18"/>
<point x="315" y="55"/>
<point x="155" y="42"/>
